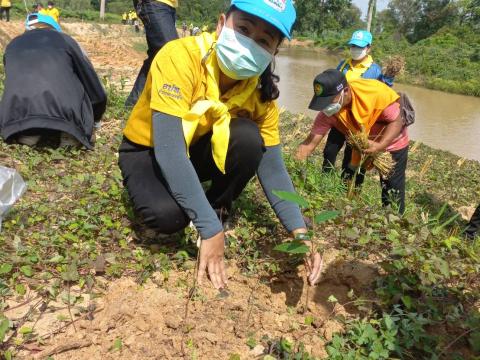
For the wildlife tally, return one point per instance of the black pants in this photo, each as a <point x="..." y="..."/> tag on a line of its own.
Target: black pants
<point x="335" y="142"/>
<point x="6" y="11"/>
<point x="393" y="188"/>
<point x="159" y="21"/>
<point x="148" y="189"/>
<point x="474" y="224"/>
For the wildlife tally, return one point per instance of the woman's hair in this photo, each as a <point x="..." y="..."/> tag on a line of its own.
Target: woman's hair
<point x="268" y="85"/>
<point x="268" y="80"/>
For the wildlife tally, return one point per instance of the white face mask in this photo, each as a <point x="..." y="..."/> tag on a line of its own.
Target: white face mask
<point x="358" y="53"/>
<point x="334" y="108"/>
<point x="239" y="57"/>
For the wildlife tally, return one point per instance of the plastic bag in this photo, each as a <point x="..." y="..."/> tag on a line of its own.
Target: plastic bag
<point x="12" y="188"/>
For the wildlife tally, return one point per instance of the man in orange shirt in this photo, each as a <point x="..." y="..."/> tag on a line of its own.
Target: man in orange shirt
<point x="361" y="104"/>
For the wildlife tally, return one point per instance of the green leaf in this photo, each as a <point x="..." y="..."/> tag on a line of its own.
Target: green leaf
<point x="407" y="300"/>
<point x="442" y="265"/>
<point x="20" y="289"/>
<point x="388" y="321"/>
<point x="117" y="344"/>
<point x="474" y="340"/>
<point x="251" y="343"/>
<point x="292" y="247"/>
<point x="4" y="326"/>
<point x="332" y="299"/>
<point x="25" y="330"/>
<point x="71" y="274"/>
<point x="26" y="270"/>
<point x="351" y="233"/>
<point x="5" y="268"/>
<point x="292" y="197"/>
<point x="309" y="319"/>
<point x="326" y="215"/>
<point x="56" y="259"/>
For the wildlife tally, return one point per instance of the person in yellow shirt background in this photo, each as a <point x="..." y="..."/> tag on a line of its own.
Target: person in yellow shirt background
<point x="208" y="113"/>
<point x="135" y="21"/>
<point x="359" y="64"/>
<point x="51" y="10"/>
<point x="124" y="18"/>
<point x="158" y="17"/>
<point x="5" y="6"/>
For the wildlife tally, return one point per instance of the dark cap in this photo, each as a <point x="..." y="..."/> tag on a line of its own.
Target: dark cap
<point x="326" y="86"/>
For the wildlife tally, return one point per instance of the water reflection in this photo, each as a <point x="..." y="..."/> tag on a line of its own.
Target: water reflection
<point x="444" y="121"/>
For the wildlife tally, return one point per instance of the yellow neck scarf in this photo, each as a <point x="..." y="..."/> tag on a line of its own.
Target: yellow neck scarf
<point x="212" y="107"/>
<point x="369" y="99"/>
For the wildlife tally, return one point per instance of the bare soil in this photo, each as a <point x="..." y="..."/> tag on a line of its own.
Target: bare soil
<point x="149" y="320"/>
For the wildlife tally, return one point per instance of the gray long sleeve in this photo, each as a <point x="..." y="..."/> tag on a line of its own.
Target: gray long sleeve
<point x="273" y="175"/>
<point x="180" y="175"/>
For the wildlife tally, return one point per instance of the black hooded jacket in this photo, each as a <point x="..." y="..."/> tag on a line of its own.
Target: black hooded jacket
<point x="50" y="84"/>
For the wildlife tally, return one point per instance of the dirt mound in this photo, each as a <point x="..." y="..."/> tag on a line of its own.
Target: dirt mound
<point x="147" y="322"/>
<point x="116" y="51"/>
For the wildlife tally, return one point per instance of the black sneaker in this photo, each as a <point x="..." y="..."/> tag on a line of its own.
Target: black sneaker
<point x="225" y="217"/>
<point x="146" y="235"/>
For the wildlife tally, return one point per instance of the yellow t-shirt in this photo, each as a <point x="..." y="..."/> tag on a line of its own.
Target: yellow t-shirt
<point x="53" y="12"/>
<point x="177" y="80"/>
<point x="6" y="3"/>
<point x="356" y="72"/>
<point x="172" y="3"/>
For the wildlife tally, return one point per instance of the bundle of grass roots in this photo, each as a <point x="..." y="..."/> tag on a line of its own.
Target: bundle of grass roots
<point x="382" y="161"/>
<point x="394" y="65"/>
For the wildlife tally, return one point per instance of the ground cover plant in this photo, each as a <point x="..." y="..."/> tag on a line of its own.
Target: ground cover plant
<point x="74" y="282"/>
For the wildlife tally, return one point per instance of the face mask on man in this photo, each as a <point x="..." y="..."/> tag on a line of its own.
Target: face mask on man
<point x="239" y="57"/>
<point x="358" y="53"/>
<point x="334" y="108"/>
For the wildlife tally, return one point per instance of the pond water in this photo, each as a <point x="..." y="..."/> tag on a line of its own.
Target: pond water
<point x="443" y="121"/>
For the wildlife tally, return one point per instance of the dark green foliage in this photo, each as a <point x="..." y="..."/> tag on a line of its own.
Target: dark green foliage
<point x="315" y="17"/>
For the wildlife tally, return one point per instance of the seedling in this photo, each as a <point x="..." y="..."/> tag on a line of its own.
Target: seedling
<point x="298" y="246"/>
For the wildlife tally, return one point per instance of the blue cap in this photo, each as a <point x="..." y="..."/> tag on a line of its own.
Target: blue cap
<point x="361" y="38"/>
<point x="279" y="13"/>
<point x="36" y="18"/>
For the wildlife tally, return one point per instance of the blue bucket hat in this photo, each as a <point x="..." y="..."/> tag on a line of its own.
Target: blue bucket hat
<point x="279" y="13"/>
<point x="36" y="18"/>
<point x="361" y="38"/>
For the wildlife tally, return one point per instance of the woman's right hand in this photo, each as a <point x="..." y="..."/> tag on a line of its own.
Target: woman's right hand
<point x="212" y="260"/>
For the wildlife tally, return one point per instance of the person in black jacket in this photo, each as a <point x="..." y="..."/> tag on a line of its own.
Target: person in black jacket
<point x="51" y="87"/>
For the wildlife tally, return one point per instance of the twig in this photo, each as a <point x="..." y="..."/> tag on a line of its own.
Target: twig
<point x="68" y="324"/>
<point x="28" y="301"/>
<point x="191" y="293"/>
<point x="69" y="308"/>
<point x="4" y="345"/>
<point x="250" y="301"/>
<point x="456" y="339"/>
<point x="77" y="344"/>
<point x="43" y="308"/>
